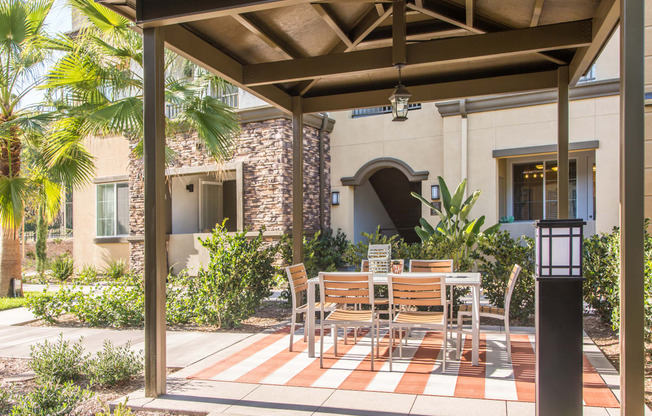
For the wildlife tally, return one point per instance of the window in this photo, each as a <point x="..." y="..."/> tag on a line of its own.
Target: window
<point x="363" y="112"/>
<point x="211" y="210"/>
<point x="112" y="209"/>
<point x="535" y="190"/>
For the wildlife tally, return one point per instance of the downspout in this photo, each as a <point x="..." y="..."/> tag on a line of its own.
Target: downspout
<point x="322" y="169"/>
<point x="465" y="143"/>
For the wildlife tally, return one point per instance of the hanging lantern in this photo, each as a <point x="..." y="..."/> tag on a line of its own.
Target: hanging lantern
<point x="400" y="100"/>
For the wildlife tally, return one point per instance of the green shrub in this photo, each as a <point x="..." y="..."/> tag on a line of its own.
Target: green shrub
<point x="88" y="274"/>
<point x="58" y="361"/>
<point x="6" y="398"/>
<point x="62" y="267"/>
<point x="240" y="274"/>
<point x="497" y="254"/>
<point x="50" y="399"/>
<point x="50" y="305"/>
<point x="115" y="269"/>
<point x="324" y="251"/>
<point x="114" y="365"/>
<point x="358" y="252"/>
<point x="119" y="304"/>
<point x="120" y="410"/>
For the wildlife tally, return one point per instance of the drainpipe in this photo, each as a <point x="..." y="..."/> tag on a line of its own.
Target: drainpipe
<point x="465" y="142"/>
<point x="322" y="169"/>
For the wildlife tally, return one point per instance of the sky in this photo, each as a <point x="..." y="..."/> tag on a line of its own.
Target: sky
<point x="58" y="21"/>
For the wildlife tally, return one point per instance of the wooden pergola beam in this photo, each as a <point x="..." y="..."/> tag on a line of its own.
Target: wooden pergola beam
<point x="440" y="51"/>
<point x="333" y="22"/>
<point x="536" y="13"/>
<point x="264" y="33"/>
<point x="436" y="91"/>
<point x="604" y="23"/>
<point x="469" y="13"/>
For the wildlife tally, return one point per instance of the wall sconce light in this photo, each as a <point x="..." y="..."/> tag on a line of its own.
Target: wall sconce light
<point x="434" y="192"/>
<point x="335" y="198"/>
<point x="190" y="187"/>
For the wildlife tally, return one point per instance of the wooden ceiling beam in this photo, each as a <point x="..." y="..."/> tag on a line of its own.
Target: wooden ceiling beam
<point x="333" y="22"/>
<point x="536" y="13"/>
<point x="605" y="22"/>
<point x="436" y="91"/>
<point x="440" y="51"/>
<point x="258" y="28"/>
<point x="469" y="13"/>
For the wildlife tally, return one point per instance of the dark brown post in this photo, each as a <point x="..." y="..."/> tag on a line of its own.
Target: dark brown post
<point x="154" y="161"/>
<point x="562" y="142"/>
<point x="632" y="151"/>
<point x="297" y="180"/>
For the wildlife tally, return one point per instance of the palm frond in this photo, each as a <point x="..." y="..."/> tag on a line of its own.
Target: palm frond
<point x="13" y="193"/>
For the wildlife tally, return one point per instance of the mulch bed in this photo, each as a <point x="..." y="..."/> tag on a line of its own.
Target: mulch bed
<point x="101" y="395"/>
<point x="608" y="342"/>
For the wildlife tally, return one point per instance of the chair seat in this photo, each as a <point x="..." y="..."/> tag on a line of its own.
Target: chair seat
<point x="419" y="318"/>
<point x="327" y="305"/>
<point x="483" y="309"/>
<point x="344" y="315"/>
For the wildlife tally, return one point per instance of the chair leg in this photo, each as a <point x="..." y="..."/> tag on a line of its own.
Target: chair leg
<point x="346" y="335"/>
<point x="334" y="329"/>
<point x="458" y="347"/>
<point x="321" y="344"/>
<point x="391" y="346"/>
<point x="508" y="340"/>
<point x="292" y="325"/>
<point x="445" y="347"/>
<point x="400" y="342"/>
<point x="372" y="345"/>
<point x="355" y="334"/>
<point x="378" y="338"/>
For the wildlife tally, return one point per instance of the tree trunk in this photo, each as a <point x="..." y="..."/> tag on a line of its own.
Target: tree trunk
<point x="10" y="261"/>
<point x="41" y="240"/>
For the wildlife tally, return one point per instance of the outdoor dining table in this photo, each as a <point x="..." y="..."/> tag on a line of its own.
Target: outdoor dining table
<point x="470" y="280"/>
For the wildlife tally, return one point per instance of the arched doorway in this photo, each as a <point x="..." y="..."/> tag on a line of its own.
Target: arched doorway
<point x="382" y="198"/>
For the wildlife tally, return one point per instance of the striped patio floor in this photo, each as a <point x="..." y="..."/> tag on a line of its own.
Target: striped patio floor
<point x="419" y="371"/>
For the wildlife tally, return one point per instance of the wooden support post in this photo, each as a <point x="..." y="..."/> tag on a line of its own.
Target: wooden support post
<point x="399" y="48"/>
<point x="155" y="270"/>
<point x="632" y="151"/>
<point x="297" y="180"/>
<point x="562" y="142"/>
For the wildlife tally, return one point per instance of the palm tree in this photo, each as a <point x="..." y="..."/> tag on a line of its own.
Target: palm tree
<point x="100" y="86"/>
<point x="21" y="56"/>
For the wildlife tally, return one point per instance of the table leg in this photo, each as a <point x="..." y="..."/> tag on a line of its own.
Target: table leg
<point x="310" y="320"/>
<point x="475" y="326"/>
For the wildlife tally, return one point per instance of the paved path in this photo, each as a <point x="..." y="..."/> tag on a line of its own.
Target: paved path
<point x="183" y="348"/>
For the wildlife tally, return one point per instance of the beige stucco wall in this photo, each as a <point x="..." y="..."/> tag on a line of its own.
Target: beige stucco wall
<point x="112" y="158"/>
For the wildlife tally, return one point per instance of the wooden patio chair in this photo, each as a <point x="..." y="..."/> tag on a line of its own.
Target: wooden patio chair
<point x="435" y="266"/>
<point x="491" y="312"/>
<point x="410" y="292"/>
<point x="298" y="282"/>
<point x="347" y="288"/>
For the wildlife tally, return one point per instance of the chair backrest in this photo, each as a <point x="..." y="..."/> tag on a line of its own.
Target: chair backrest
<point x="511" y="284"/>
<point x="431" y="266"/>
<point x="417" y="290"/>
<point x="364" y="266"/>
<point x="297" y="280"/>
<point x="346" y="288"/>
<point x="379" y="256"/>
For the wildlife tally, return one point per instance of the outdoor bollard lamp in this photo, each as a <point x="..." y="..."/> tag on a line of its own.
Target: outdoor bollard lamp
<point x="400" y="100"/>
<point x="559" y="361"/>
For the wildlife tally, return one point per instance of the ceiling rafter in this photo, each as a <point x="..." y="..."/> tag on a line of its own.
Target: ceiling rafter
<point x="441" y="51"/>
<point x="469" y="13"/>
<point x="333" y="22"/>
<point x="258" y="28"/>
<point x="536" y="12"/>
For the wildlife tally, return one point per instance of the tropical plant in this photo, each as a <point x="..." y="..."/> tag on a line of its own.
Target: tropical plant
<point x="115" y="269"/>
<point x="100" y="84"/>
<point x="454" y="221"/>
<point x="62" y="267"/>
<point x="21" y="33"/>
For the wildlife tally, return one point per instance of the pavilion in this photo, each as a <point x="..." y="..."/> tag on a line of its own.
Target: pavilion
<point x="309" y="56"/>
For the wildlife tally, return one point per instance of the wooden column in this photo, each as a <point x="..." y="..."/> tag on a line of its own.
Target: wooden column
<point x="562" y="142"/>
<point x="632" y="151"/>
<point x="297" y="180"/>
<point x="155" y="269"/>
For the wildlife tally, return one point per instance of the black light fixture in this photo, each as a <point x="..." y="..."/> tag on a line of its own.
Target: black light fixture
<point x="559" y="248"/>
<point x="434" y="192"/>
<point x="335" y="198"/>
<point x="400" y="99"/>
<point x="190" y="187"/>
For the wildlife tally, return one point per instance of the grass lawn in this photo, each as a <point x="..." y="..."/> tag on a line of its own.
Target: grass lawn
<point x="9" y="303"/>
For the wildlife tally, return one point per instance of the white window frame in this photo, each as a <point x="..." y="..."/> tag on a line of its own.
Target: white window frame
<point x="584" y="163"/>
<point x="115" y="209"/>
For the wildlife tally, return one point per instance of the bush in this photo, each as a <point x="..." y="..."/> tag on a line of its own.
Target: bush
<point x="325" y="251"/>
<point x="49" y="306"/>
<point x="240" y="274"/>
<point x="116" y="269"/>
<point x="119" y="304"/>
<point x="497" y="253"/>
<point x="50" y="399"/>
<point x="114" y="365"/>
<point x="5" y="399"/>
<point x="58" y="361"/>
<point x="88" y="274"/>
<point x="120" y="410"/>
<point x="62" y="267"/>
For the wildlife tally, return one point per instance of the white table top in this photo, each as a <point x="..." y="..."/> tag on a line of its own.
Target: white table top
<point x="455" y="279"/>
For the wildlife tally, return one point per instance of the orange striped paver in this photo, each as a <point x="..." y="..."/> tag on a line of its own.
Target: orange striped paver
<point x="416" y="376"/>
<point x="259" y="373"/>
<point x="312" y="372"/>
<point x="470" y="379"/>
<point x="241" y="355"/>
<point x="595" y="391"/>
<point x="523" y="363"/>
<point x="360" y="378"/>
